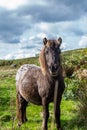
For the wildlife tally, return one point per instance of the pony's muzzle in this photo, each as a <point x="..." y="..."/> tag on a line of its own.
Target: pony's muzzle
<point x="54" y="70"/>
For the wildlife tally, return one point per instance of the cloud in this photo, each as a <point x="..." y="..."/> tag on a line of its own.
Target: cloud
<point x="24" y="23"/>
<point x="13" y="23"/>
<point x="83" y="41"/>
<point x="12" y="4"/>
<point x="21" y="53"/>
<point x="32" y="42"/>
<point x="12" y="26"/>
<point x="50" y="13"/>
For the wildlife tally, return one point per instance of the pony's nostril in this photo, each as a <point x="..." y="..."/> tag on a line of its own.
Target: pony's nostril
<point x="55" y="66"/>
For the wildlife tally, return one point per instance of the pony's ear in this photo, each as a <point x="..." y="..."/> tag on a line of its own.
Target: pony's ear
<point x="59" y="41"/>
<point x="45" y="41"/>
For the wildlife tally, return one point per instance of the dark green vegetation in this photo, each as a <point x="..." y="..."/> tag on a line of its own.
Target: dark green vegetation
<point x="73" y="105"/>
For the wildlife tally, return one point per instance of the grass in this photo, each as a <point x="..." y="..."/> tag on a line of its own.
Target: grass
<point x="8" y="120"/>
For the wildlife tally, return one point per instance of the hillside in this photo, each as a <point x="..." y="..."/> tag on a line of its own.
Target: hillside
<point x="73" y="62"/>
<point x="73" y="57"/>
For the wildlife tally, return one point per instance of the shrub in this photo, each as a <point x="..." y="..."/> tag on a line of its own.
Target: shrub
<point x="82" y="106"/>
<point x="71" y="89"/>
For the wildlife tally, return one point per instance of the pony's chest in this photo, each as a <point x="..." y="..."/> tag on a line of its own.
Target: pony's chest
<point x="46" y="90"/>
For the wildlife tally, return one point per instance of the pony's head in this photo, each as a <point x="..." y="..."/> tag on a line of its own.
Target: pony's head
<point x="50" y="56"/>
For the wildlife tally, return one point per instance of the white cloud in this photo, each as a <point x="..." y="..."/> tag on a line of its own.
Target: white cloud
<point x="64" y="46"/>
<point x="12" y="4"/>
<point x="43" y="26"/>
<point x="41" y="35"/>
<point x="83" y="41"/>
<point x="20" y="54"/>
<point x="35" y="2"/>
<point x="37" y="36"/>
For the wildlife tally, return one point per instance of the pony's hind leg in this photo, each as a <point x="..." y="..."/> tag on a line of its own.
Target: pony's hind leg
<point x="25" y="103"/>
<point x="21" y="109"/>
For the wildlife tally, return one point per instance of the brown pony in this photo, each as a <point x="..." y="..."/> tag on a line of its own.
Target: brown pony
<point x="41" y="85"/>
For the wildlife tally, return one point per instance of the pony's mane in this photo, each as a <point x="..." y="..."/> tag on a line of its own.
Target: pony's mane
<point x="42" y="61"/>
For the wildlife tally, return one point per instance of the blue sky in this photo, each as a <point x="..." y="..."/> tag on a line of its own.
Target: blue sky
<point x="24" y="24"/>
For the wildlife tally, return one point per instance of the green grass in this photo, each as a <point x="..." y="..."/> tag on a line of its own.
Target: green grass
<point x="69" y="110"/>
<point x="8" y="119"/>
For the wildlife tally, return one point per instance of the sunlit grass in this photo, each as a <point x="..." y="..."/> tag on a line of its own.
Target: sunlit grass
<point x="34" y="113"/>
<point x="8" y="120"/>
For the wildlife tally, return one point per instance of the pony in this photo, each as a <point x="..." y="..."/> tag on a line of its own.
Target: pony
<point x="41" y="85"/>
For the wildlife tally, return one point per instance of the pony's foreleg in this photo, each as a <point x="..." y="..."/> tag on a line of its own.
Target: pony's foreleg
<point x="21" y="109"/>
<point x="45" y="114"/>
<point x="57" y="115"/>
<point x="57" y="118"/>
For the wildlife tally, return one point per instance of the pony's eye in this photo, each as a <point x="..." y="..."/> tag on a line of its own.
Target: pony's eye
<point x="46" y="51"/>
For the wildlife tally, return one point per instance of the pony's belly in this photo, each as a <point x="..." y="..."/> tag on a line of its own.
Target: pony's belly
<point x="30" y="93"/>
<point x="30" y="97"/>
<point x="36" y="101"/>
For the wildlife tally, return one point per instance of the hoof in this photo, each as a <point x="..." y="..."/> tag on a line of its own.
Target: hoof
<point x="60" y="129"/>
<point x="19" y="124"/>
<point x="25" y="120"/>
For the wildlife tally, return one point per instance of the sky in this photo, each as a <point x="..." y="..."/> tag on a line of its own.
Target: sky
<point x="24" y="24"/>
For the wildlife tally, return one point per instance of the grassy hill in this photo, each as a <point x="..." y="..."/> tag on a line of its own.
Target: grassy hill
<point x="72" y="62"/>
